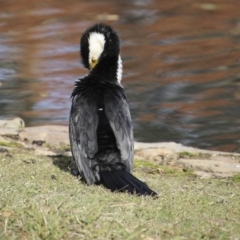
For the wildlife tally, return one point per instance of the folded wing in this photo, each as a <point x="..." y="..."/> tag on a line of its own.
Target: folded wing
<point x="83" y="124"/>
<point x="118" y="114"/>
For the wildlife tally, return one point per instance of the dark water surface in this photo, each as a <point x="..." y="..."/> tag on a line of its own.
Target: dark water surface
<point x="181" y="64"/>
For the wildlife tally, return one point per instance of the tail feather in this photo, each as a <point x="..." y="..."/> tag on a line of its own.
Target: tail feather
<point x="116" y="183"/>
<point x="109" y="183"/>
<point x="122" y="181"/>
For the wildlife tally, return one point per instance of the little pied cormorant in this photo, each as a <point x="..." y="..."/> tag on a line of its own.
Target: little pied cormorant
<point x="100" y="125"/>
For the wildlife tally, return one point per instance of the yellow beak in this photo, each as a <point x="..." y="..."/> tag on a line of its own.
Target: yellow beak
<point x="93" y="63"/>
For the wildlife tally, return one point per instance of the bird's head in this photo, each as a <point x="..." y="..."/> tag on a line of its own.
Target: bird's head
<point x="99" y="42"/>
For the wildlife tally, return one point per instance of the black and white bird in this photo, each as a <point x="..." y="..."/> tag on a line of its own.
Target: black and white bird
<point x="100" y="125"/>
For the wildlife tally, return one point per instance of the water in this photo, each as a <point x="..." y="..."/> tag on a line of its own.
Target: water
<point x="181" y="65"/>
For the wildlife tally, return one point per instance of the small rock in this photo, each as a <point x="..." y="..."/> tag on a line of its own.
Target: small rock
<point x="53" y="177"/>
<point x="15" y="123"/>
<point x="75" y="172"/>
<point x="8" y="132"/>
<point x="54" y="136"/>
<point x="3" y="150"/>
<point x="38" y="143"/>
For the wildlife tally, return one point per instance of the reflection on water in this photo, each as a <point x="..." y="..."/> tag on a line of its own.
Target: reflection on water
<point x="181" y="64"/>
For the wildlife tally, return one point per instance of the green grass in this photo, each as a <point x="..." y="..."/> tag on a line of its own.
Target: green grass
<point x="150" y="167"/>
<point x="200" y="155"/>
<point x="10" y="144"/>
<point x="40" y="199"/>
<point x="236" y="178"/>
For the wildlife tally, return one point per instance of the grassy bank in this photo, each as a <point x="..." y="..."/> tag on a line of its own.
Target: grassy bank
<point x="40" y="199"/>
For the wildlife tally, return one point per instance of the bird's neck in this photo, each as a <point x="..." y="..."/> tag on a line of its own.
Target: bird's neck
<point x="109" y="69"/>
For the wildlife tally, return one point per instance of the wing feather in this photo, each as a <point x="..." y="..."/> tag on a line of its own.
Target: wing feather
<point x="83" y="124"/>
<point x="118" y="114"/>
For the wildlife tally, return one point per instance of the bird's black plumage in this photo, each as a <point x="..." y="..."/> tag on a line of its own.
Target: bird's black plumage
<point x="100" y="125"/>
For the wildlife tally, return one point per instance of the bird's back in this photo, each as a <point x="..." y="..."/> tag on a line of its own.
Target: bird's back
<point x="95" y="105"/>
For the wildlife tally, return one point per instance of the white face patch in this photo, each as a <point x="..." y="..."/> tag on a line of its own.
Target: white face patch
<point x="96" y="46"/>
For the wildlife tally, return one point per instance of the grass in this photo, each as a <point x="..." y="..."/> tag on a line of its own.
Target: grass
<point x="150" y="167"/>
<point x="40" y="199"/>
<point x="236" y="178"/>
<point x="10" y="144"/>
<point x="200" y="155"/>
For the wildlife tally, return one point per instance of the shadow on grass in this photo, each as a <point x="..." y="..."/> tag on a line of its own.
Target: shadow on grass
<point x="64" y="163"/>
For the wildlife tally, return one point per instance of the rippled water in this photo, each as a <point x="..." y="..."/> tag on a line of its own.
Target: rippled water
<point x="181" y="64"/>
